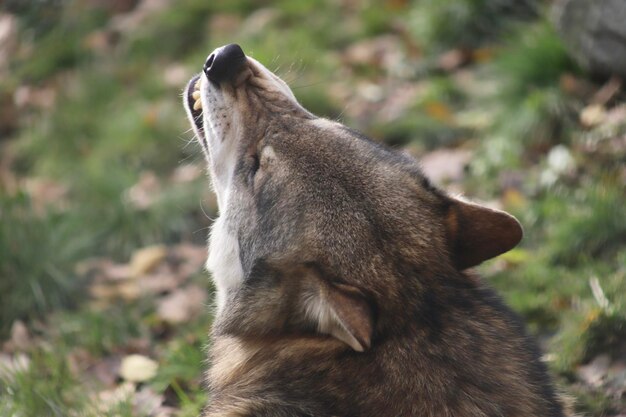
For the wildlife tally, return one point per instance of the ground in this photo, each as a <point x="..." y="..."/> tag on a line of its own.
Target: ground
<point x="105" y="205"/>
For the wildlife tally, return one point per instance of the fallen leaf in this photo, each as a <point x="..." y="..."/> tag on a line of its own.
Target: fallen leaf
<point x="103" y="291"/>
<point x="224" y="24"/>
<point x="484" y="54"/>
<point x="439" y="111"/>
<point x="617" y="115"/>
<point x="257" y="22"/>
<point x="104" y="269"/>
<point x="125" y="23"/>
<point x="78" y="360"/>
<point x="370" y="92"/>
<point x="20" y="338"/>
<point x="161" y="281"/>
<point x="138" y="368"/>
<point x="595" y="372"/>
<point x="445" y="164"/>
<point x="99" y="41"/>
<point x="38" y="97"/>
<point x="146" y="191"/>
<point x="46" y="193"/>
<point x="384" y="52"/>
<point x="186" y="173"/>
<point x="147" y="402"/>
<point x="175" y="75"/>
<point x="398" y="102"/>
<point x="146" y="259"/>
<point x="194" y="255"/>
<point x="592" y="115"/>
<point x="608" y="91"/>
<point x="453" y="59"/>
<point x="105" y="370"/>
<point x="128" y="290"/>
<point x="182" y="305"/>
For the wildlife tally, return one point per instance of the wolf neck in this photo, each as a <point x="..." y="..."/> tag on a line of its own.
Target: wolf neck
<point x="223" y="261"/>
<point x="404" y="373"/>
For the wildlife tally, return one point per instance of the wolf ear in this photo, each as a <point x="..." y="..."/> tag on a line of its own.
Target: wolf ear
<point x="342" y="312"/>
<point x="478" y="233"/>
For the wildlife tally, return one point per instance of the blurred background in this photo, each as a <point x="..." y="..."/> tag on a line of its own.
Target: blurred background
<point x="105" y="205"/>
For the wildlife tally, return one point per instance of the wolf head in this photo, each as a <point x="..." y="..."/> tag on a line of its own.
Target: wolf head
<point x="321" y="230"/>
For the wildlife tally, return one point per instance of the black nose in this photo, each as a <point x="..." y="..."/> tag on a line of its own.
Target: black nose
<point x="224" y="63"/>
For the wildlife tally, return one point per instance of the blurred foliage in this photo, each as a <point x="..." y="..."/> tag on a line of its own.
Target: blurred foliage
<point x="37" y="256"/>
<point x="470" y="23"/>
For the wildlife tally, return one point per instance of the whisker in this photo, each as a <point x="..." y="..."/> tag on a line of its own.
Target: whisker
<point x="307" y="85"/>
<point x="205" y="213"/>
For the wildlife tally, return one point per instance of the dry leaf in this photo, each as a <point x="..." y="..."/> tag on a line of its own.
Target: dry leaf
<point x="103" y="292"/>
<point x="78" y="360"/>
<point x="398" y="102"/>
<point x="453" y="59"/>
<point x="146" y="259"/>
<point x="161" y="281"/>
<point x="105" y="370"/>
<point x="145" y="192"/>
<point x="608" y="91"/>
<point x="257" y="22"/>
<point x="439" y="111"/>
<point x="592" y="115"/>
<point x="20" y="338"/>
<point x="194" y="255"/>
<point x="130" y="22"/>
<point x="186" y="173"/>
<point x="46" y="193"/>
<point x="384" y="52"/>
<point x="99" y="41"/>
<point x="445" y="164"/>
<point x="40" y="97"/>
<point x="128" y="290"/>
<point x="104" y="269"/>
<point x="595" y="372"/>
<point x="484" y="54"/>
<point x="224" y="24"/>
<point x="182" y="305"/>
<point x="175" y="75"/>
<point x="138" y="368"/>
<point x="147" y="402"/>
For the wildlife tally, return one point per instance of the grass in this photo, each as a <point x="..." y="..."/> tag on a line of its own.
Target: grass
<point x="38" y="253"/>
<point x="117" y="120"/>
<point x="47" y="387"/>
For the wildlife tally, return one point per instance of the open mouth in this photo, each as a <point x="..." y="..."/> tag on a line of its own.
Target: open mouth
<point x="194" y="104"/>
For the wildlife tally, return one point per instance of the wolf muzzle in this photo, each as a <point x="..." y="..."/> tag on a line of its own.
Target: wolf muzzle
<point x="224" y="63"/>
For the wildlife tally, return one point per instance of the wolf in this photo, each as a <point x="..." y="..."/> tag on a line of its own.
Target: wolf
<point x="342" y="275"/>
